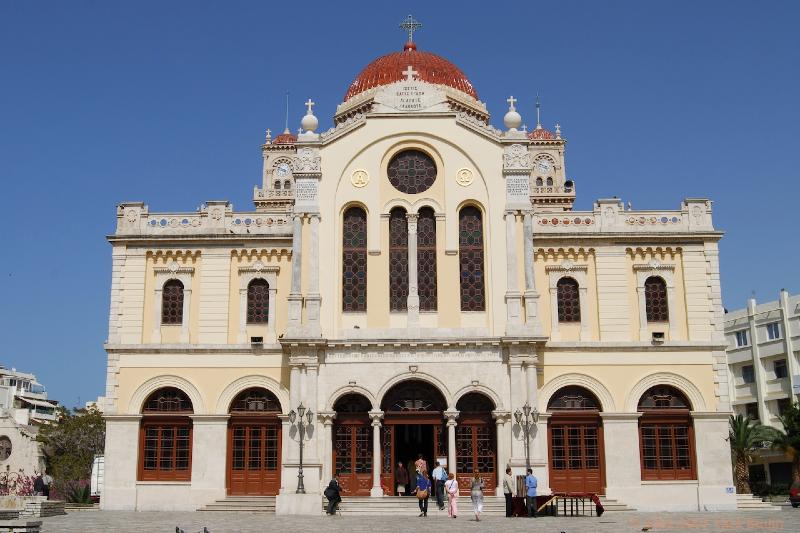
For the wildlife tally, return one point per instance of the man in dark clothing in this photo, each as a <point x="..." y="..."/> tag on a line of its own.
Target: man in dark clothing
<point x="333" y="495"/>
<point x="38" y="485"/>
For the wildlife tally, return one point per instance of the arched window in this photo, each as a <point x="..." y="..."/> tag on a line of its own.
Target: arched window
<point x="426" y="259"/>
<point x="277" y="185"/>
<point x="398" y="260"/>
<point x="354" y="260"/>
<point x="257" y="301"/>
<point x="470" y="247"/>
<point x="411" y="171"/>
<point x="172" y="302"/>
<point x="569" y="303"/>
<point x="655" y="299"/>
<point x="539" y="182"/>
<point x="165" y="437"/>
<point x="287" y="184"/>
<point x="666" y="435"/>
<point x="549" y="182"/>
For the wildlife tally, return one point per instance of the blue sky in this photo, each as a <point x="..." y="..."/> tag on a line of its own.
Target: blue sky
<point x="167" y="102"/>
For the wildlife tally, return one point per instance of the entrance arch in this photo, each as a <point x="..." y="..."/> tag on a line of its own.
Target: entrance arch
<point x="352" y="444"/>
<point x="254" y="443"/>
<point x="476" y="442"/>
<point x="575" y="437"/>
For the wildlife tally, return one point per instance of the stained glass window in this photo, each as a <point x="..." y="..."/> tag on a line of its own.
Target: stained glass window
<point x="470" y="240"/>
<point x="398" y="260"/>
<point x="569" y="303"/>
<point x="354" y="260"/>
<point x="655" y="299"/>
<point x="426" y="259"/>
<point x="412" y="171"/>
<point x="172" y="302"/>
<point x="257" y="301"/>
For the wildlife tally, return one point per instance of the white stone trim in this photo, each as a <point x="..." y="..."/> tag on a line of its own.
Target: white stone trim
<point x="138" y="398"/>
<point x="268" y="273"/>
<point x="582" y="380"/>
<point x="665" y="272"/>
<point x="568" y="269"/>
<point x="246" y="382"/>
<point x="350" y="389"/>
<point x="184" y="274"/>
<point x="691" y="391"/>
<point x="482" y="389"/>
<point x="421" y="376"/>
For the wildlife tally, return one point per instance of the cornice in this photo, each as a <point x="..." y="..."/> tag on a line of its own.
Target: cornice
<point x="633" y="346"/>
<point x="242" y="349"/>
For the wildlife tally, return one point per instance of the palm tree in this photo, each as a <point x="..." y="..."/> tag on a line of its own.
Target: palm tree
<point x="788" y="440"/>
<point x="745" y="436"/>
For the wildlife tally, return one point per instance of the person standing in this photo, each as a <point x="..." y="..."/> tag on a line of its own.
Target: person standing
<point x="420" y="465"/>
<point x="38" y="485"/>
<point x="47" y="480"/>
<point x="423" y="491"/>
<point x="451" y="487"/>
<point x="438" y="479"/>
<point x="476" y="493"/>
<point x="401" y="478"/>
<point x="508" y="491"/>
<point x="333" y="494"/>
<point x="531" y="483"/>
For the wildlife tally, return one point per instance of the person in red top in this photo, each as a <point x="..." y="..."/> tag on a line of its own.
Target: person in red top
<point x="420" y="464"/>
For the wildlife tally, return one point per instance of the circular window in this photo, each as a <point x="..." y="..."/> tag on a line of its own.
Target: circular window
<point x="412" y="171"/>
<point x="5" y="448"/>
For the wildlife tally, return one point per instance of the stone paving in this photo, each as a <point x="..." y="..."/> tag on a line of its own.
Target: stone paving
<point x="787" y="520"/>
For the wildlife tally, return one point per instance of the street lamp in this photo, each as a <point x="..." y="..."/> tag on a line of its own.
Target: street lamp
<point x="527" y="419"/>
<point x="301" y="429"/>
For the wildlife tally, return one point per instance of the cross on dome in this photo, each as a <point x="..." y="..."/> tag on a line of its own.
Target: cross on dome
<point x="511" y="101"/>
<point x="409" y="25"/>
<point x="410" y="73"/>
<point x="309" y="105"/>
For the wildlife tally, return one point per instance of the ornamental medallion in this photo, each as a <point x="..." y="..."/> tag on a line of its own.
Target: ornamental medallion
<point x="359" y="178"/>
<point x="464" y="177"/>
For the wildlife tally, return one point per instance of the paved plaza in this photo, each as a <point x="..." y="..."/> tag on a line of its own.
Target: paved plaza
<point x="787" y="520"/>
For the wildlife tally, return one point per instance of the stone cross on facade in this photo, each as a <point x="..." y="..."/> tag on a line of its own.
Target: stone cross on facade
<point x="309" y="105"/>
<point x="410" y="73"/>
<point x="409" y="24"/>
<point x="511" y="101"/>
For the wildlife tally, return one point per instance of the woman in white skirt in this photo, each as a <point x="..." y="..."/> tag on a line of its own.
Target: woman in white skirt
<point x="476" y="493"/>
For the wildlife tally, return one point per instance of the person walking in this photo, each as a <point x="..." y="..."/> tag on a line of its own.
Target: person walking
<point x="531" y="483"/>
<point x="451" y="487"/>
<point x="508" y="491"/>
<point x="476" y="494"/>
<point x="333" y="494"/>
<point x="401" y="478"/>
<point x="438" y="478"/>
<point x="420" y="464"/>
<point x="423" y="491"/>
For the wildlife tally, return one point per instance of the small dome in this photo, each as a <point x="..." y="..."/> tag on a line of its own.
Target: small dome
<point x="541" y="134"/>
<point x="429" y="67"/>
<point x="286" y="137"/>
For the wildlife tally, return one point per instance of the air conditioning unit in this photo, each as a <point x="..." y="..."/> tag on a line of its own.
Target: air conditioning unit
<point x="658" y="337"/>
<point x="257" y="342"/>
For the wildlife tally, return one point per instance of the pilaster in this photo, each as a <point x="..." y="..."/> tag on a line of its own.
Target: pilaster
<point x="413" y="288"/>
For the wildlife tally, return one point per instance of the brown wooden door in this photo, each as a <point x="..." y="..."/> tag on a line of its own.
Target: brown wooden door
<point x="576" y="454"/>
<point x="387" y="460"/>
<point x="254" y="458"/>
<point x="352" y="458"/>
<point x="476" y="451"/>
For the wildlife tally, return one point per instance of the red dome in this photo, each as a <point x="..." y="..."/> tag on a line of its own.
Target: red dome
<point x="540" y="134"/>
<point x="285" y="138"/>
<point x="429" y="67"/>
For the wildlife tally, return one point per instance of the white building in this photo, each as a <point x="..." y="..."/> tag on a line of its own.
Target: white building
<point x="763" y="349"/>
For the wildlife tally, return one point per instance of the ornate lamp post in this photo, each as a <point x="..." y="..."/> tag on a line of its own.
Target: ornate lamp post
<point x="527" y="419"/>
<point x="301" y="429"/>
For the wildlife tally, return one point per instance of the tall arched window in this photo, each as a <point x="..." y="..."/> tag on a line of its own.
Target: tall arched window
<point x="172" y="302"/>
<point x="666" y="435"/>
<point x="426" y="259"/>
<point x="257" y="301"/>
<point x="569" y="303"/>
<point x="398" y="260"/>
<point x="354" y="260"/>
<point x="470" y="247"/>
<point x="655" y="299"/>
<point x="165" y="437"/>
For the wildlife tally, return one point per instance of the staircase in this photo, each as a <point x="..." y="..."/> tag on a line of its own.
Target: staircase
<point x="407" y="506"/>
<point x="247" y="504"/>
<point x="612" y="506"/>
<point x="749" y="502"/>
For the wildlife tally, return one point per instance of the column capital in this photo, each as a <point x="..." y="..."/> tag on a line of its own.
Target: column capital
<point x="375" y="417"/>
<point x="501" y="417"/>
<point x="326" y="417"/>
<point x="412" y="217"/>
<point x="451" y="417"/>
<point x="314" y="217"/>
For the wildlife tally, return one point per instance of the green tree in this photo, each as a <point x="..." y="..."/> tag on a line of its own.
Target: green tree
<point x="745" y="436"/>
<point x="788" y="440"/>
<point x="71" y="442"/>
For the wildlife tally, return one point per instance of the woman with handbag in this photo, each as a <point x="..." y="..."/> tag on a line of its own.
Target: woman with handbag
<point x="451" y="487"/>
<point x="423" y="491"/>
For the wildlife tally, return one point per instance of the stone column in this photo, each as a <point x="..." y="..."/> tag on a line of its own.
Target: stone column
<point x="242" y="335"/>
<point x="273" y="304"/>
<point x="187" y="301"/>
<point x="155" y="337"/>
<point x="313" y="299"/>
<point x="518" y="394"/>
<point x="451" y="440"/>
<point x="310" y="395"/>
<point x="539" y="455"/>
<point x="671" y="303"/>
<point x="375" y="417"/>
<point x="295" y="298"/>
<point x="532" y="383"/>
<point x="295" y="385"/>
<point x="325" y="446"/>
<point x="513" y="296"/>
<point x="209" y="440"/>
<point x="555" y="335"/>
<point x="503" y="448"/>
<point x="413" y="290"/>
<point x="583" y="292"/>
<point x="531" y="296"/>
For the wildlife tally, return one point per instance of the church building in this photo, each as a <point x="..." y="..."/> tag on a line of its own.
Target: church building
<point x="415" y="281"/>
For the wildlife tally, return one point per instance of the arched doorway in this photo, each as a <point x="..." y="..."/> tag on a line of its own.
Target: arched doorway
<point x="352" y="444"/>
<point x="413" y="424"/>
<point x="575" y="436"/>
<point x="666" y="435"/>
<point x="254" y="444"/>
<point x="476" y="442"/>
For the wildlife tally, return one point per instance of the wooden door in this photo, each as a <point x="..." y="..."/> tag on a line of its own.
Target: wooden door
<point x="387" y="460"/>
<point x="254" y="458"/>
<point x="476" y="452"/>
<point x="352" y="458"/>
<point x="576" y="455"/>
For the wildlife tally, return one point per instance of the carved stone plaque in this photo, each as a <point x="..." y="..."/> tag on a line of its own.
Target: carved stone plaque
<point x="517" y="189"/>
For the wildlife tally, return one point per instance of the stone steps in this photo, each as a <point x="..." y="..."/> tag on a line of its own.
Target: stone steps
<point x="749" y="502"/>
<point x="407" y="505"/>
<point x="611" y="505"/>
<point x="249" y="504"/>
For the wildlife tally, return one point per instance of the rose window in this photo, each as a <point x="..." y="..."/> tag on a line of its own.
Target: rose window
<point x="412" y="172"/>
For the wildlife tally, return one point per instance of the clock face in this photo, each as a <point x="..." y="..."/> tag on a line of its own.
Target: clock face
<point x="543" y="165"/>
<point x="282" y="170"/>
